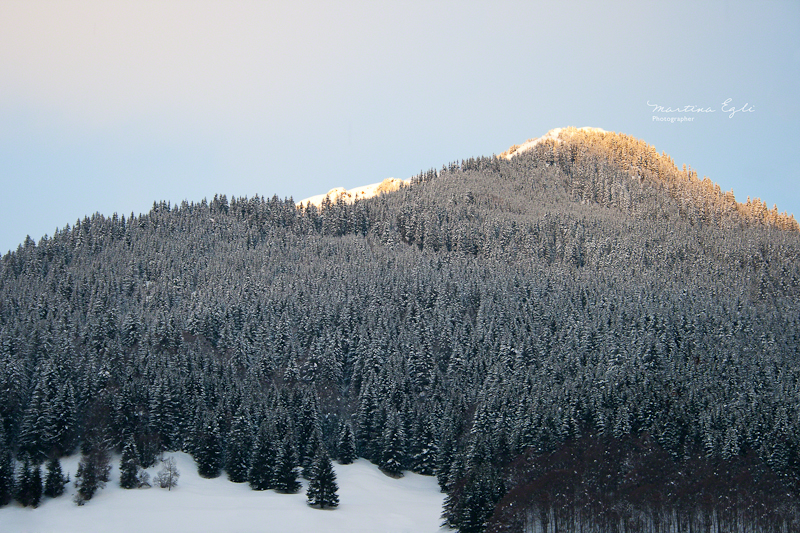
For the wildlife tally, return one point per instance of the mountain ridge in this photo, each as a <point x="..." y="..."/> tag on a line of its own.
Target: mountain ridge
<point x="633" y="156"/>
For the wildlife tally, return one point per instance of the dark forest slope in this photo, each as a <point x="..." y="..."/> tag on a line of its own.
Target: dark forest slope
<point x="476" y="325"/>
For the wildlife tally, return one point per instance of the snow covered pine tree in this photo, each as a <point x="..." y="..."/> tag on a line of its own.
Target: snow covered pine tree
<point x="322" y="486"/>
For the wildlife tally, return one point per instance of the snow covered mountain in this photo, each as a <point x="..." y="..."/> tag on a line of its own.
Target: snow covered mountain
<point x="580" y="336"/>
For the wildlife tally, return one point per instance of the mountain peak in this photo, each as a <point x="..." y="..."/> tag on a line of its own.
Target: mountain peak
<point x="642" y="162"/>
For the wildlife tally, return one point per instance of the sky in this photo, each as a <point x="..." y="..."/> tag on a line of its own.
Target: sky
<point x="109" y="106"/>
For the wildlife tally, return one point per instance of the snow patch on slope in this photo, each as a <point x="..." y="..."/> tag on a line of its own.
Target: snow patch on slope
<point x="357" y="193"/>
<point x="370" y="502"/>
<point x="557" y="135"/>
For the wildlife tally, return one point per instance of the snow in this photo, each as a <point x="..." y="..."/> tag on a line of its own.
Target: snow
<point x="556" y="134"/>
<point x="369" y="502"/>
<point x="357" y="193"/>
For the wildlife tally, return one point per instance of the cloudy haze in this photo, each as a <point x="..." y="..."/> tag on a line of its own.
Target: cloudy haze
<point x="108" y="106"/>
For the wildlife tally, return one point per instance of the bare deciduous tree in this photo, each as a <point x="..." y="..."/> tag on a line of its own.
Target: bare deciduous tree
<point x="168" y="476"/>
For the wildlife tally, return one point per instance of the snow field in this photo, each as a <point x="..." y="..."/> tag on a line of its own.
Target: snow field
<point x="370" y="502"/>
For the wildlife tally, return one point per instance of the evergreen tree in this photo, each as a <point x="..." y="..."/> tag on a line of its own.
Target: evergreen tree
<point x="346" y="445"/>
<point x="62" y="421"/>
<point x="239" y="449"/>
<point x="286" y="467"/>
<point x="313" y="446"/>
<point x="55" y="480"/>
<point x="161" y="420"/>
<point x="474" y="503"/>
<point x="444" y="458"/>
<point x="23" y="483"/>
<point x="393" y="455"/>
<point x="6" y="471"/>
<point x="308" y="429"/>
<point x="208" y="448"/>
<point x="261" y="474"/>
<point x="367" y="431"/>
<point x="48" y="426"/>
<point x="426" y="455"/>
<point x="322" y="485"/>
<point x="36" y="486"/>
<point x="29" y="484"/>
<point x="129" y="466"/>
<point x="92" y="475"/>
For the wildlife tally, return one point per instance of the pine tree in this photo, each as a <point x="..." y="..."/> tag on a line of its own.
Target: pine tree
<point x="54" y="481"/>
<point x="427" y="451"/>
<point x="392" y="454"/>
<point x="31" y="429"/>
<point x="444" y="459"/>
<point x="6" y="471"/>
<point x="240" y="443"/>
<point x="475" y="503"/>
<point x="308" y="430"/>
<point x="322" y="485"/>
<point x="48" y="425"/>
<point x="367" y="431"/>
<point x="62" y="421"/>
<point x="286" y="468"/>
<point x="92" y="475"/>
<point x="36" y="486"/>
<point x="208" y="448"/>
<point x="161" y="421"/>
<point x="261" y="474"/>
<point x="23" y="482"/>
<point x="346" y="445"/>
<point x="129" y="467"/>
<point x="29" y="485"/>
<point x="313" y="446"/>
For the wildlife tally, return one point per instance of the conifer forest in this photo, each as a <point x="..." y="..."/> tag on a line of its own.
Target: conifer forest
<point x="578" y="337"/>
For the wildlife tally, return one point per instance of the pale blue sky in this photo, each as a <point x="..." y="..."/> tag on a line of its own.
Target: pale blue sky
<point x="108" y="106"/>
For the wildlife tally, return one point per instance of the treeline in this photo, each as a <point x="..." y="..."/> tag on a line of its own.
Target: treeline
<point x="492" y="312"/>
<point x="631" y="484"/>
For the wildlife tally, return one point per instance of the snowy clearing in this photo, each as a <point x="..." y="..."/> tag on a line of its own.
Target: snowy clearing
<point x="369" y="502"/>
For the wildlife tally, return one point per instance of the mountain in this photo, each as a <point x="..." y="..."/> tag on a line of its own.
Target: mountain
<point x="580" y="336"/>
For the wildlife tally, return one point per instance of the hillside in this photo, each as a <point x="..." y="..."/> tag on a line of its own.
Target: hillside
<point x="475" y="324"/>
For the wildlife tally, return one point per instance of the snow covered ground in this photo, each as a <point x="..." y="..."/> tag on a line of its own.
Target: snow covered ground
<point x="369" y="502"/>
